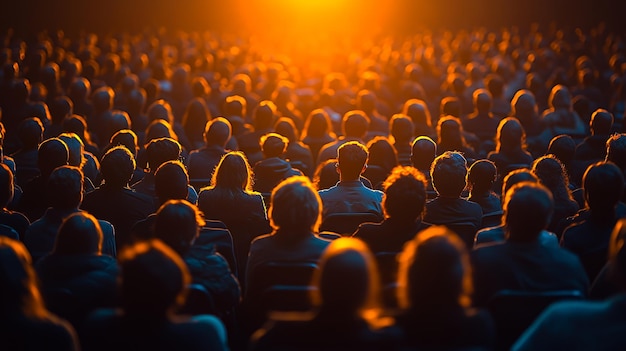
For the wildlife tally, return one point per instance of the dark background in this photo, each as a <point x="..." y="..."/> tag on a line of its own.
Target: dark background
<point x="401" y="15"/>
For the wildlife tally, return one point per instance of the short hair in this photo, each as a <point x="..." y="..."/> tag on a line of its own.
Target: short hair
<point x="481" y="175"/>
<point x="126" y="138"/>
<point x="482" y="100"/>
<point x="326" y="175"/>
<point x="404" y="194"/>
<point x="264" y="115"/>
<point x="347" y="278"/>
<point x="601" y="122"/>
<point x="434" y="270"/>
<point x="287" y="128"/>
<point x="517" y="176"/>
<point x="51" y="154"/>
<point x="153" y="278"/>
<point x="65" y="187"/>
<point x="161" y="150"/>
<point x="30" y="132"/>
<point x="171" y="181"/>
<point x="401" y="128"/>
<point x="177" y="224"/>
<point x="217" y="132"/>
<point x="603" y="183"/>
<point x="551" y="173"/>
<point x="75" y="147"/>
<point x="616" y="150"/>
<point x="7" y="186"/>
<point x="295" y="205"/>
<point x="233" y="172"/>
<point x="80" y="233"/>
<point x="417" y="111"/>
<point x="563" y="147"/>
<point x="423" y="152"/>
<point x="351" y="158"/>
<point x="355" y="124"/>
<point x="117" y="166"/>
<point x="235" y="105"/>
<point x="528" y="209"/>
<point x="160" y="109"/>
<point x="273" y="144"/>
<point x="103" y="98"/>
<point x="448" y="173"/>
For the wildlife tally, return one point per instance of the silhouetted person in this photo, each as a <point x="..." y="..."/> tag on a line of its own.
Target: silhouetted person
<point x="318" y="131"/>
<point x="153" y="283"/>
<point x="202" y="162"/>
<point x="381" y="161"/>
<point x="14" y="220"/>
<point x="402" y="137"/>
<point x="51" y="154"/>
<point x="601" y="323"/>
<point x="30" y="136"/>
<point x="114" y="201"/>
<point x="297" y="153"/>
<point x="418" y="112"/>
<point x="263" y="122"/>
<point x="450" y="137"/>
<point x="603" y="184"/>
<point x="77" y="267"/>
<point x="423" y="153"/>
<point x="480" y="179"/>
<point x="403" y="205"/>
<point x="482" y="122"/>
<point x="26" y="323"/>
<point x="379" y="125"/>
<point x="510" y="152"/>
<point x="272" y="169"/>
<point x="195" y="118"/>
<point x="60" y="108"/>
<point x="522" y="262"/>
<point x="64" y="191"/>
<point x="434" y="290"/>
<point x="345" y="311"/>
<point x="354" y="126"/>
<point x="349" y="195"/>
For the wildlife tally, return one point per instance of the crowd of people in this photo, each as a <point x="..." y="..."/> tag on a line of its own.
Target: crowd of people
<point x="195" y="191"/>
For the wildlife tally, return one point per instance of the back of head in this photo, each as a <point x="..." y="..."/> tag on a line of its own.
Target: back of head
<point x="285" y="127"/>
<point x="481" y="175"/>
<point x="30" y="132"/>
<point x="560" y="97"/>
<point x="295" y="207"/>
<point x="563" y="147"/>
<point x="60" y="108"/>
<point x="401" y="128"/>
<point x="449" y="133"/>
<point x="64" y="188"/>
<point x="601" y="122"/>
<point x="550" y="172"/>
<point x="19" y="294"/>
<point x="75" y="148"/>
<point x="347" y="279"/>
<point x="153" y="279"/>
<point x="417" y="111"/>
<point x="79" y="90"/>
<point x="317" y="123"/>
<point x="217" y="132"/>
<point x="177" y="224"/>
<point x="6" y="185"/>
<point x="528" y="210"/>
<point x="171" y="181"/>
<point x="52" y="153"/>
<point x="351" y="158"/>
<point x="523" y="104"/>
<point x="382" y="153"/>
<point x="80" y="233"/>
<point x="434" y="271"/>
<point x="159" y="151"/>
<point x="482" y="100"/>
<point x="603" y="183"/>
<point x="234" y="106"/>
<point x="119" y="120"/>
<point x="517" y="176"/>
<point x="448" y="173"/>
<point x="423" y="152"/>
<point x="355" y="124"/>
<point x="616" y="150"/>
<point x="273" y="145"/>
<point x="264" y="115"/>
<point x="103" y="99"/>
<point x="75" y="124"/>
<point x="405" y="194"/>
<point x="233" y="173"/>
<point x="450" y="106"/>
<point x="117" y="166"/>
<point x="366" y="101"/>
<point x="160" y="109"/>
<point x="326" y="174"/>
<point x="510" y="135"/>
<point x="126" y="138"/>
<point x="495" y="85"/>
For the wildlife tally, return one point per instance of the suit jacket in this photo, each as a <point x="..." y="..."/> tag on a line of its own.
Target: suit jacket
<point x="351" y="197"/>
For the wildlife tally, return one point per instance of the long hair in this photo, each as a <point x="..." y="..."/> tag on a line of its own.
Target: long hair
<point x="510" y="136"/>
<point x="317" y="125"/>
<point x="19" y="292"/>
<point x="233" y="173"/>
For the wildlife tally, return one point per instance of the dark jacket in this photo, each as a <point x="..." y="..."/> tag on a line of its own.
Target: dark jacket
<point x="271" y="171"/>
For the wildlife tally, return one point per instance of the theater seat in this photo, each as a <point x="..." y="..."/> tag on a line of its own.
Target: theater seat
<point x="347" y="223"/>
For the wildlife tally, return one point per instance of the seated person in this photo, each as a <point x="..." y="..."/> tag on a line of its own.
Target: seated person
<point x="603" y="184"/>
<point x="272" y="169"/>
<point x="600" y="325"/>
<point x="497" y="233"/>
<point x="77" y="266"/>
<point x="178" y="224"/>
<point x="15" y="220"/>
<point x="449" y="172"/>
<point x="434" y="291"/>
<point x="403" y="205"/>
<point x="350" y="195"/>
<point x="423" y="153"/>
<point x="522" y="262"/>
<point x="114" y="201"/>
<point x="202" y="162"/>
<point x="153" y="283"/>
<point x="26" y="323"/>
<point x="346" y="312"/>
<point x="65" y="191"/>
<point x="480" y="179"/>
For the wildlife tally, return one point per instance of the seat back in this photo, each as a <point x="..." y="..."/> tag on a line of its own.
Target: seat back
<point x="199" y="183"/>
<point x="492" y="219"/>
<point x="279" y="273"/>
<point x="465" y="230"/>
<point x="9" y="232"/>
<point x="514" y="311"/>
<point x="347" y="223"/>
<point x="199" y="301"/>
<point x="388" y="268"/>
<point x="222" y="241"/>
